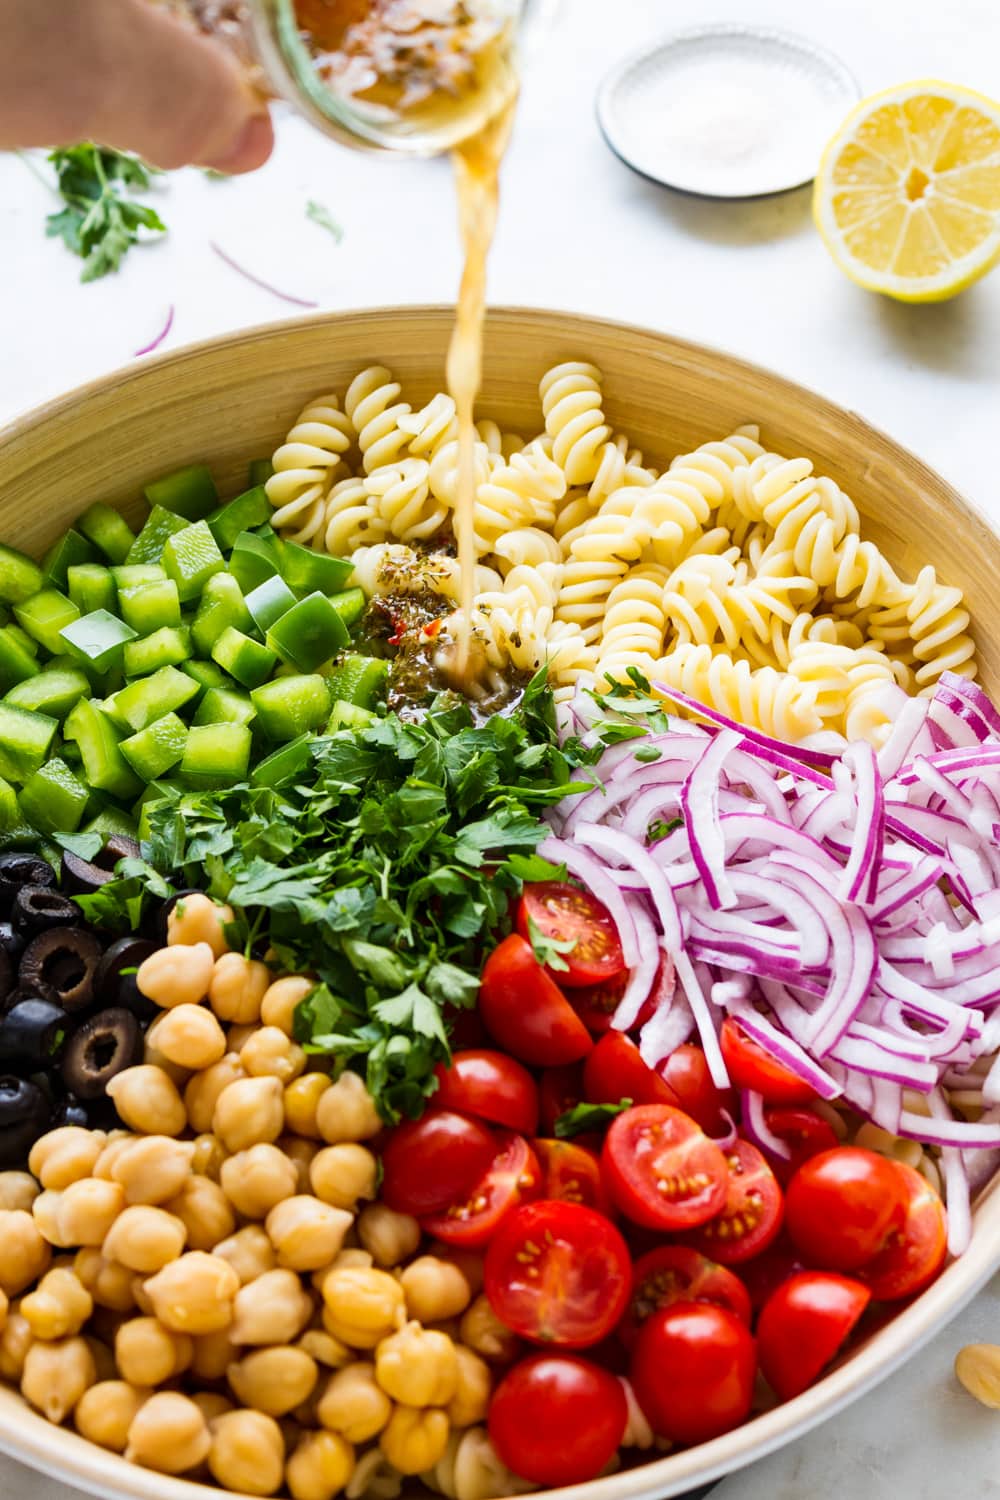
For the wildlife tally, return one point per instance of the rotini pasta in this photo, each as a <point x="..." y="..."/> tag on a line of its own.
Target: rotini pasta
<point x="304" y="468"/>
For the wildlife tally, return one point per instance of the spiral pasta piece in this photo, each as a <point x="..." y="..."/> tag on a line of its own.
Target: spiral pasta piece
<point x="471" y="1469"/>
<point x="634" y="623"/>
<point x="350" y="519"/>
<point x="574" y="419"/>
<point x="402" y="498"/>
<point x="370" y="402"/>
<point x="764" y="699"/>
<point x="304" y="467"/>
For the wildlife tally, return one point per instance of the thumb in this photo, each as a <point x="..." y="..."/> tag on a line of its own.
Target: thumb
<point x="126" y="74"/>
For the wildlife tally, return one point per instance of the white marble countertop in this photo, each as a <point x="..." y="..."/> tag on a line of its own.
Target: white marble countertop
<point x="579" y="231"/>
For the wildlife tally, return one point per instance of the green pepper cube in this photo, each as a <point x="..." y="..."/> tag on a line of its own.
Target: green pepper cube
<point x="309" y="633"/>
<point x="349" y="716"/>
<point x="25" y="740"/>
<point x="350" y="605"/>
<point x="91" y="586"/>
<point x="190" y="492"/>
<point x="290" y="706"/>
<point x="253" y="559"/>
<point x="17" y="662"/>
<point x="190" y="558"/>
<point x="140" y="703"/>
<point x="269" y="601"/>
<point x="216" y="755"/>
<point x="132" y="575"/>
<point x="155" y="749"/>
<point x="246" y="511"/>
<point x="285" y="764"/>
<point x="309" y="572"/>
<point x="104" y="766"/>
<point x="166" y="647"/>
<point x="97" y="639"/>
<point x="243" y="658"/>
<point x="20" y="577"/>
<point x="44" y="616"/>
<point x="204" y="675"/>
<point x="54" y="799"/>
<point x="111" y="821"/>
<point x="72" y="550"/>
<point x="222" y="705"/>
<point x="259" y="472"/>
<point x="148" y="545"/>
<point x="53" y="691"/>
<point x="221" y="605"/>
<point x="150" y="605"/>
<point x="359" y="679"/>
<point x="10" y="812"/>
<point x="109" y="531"/>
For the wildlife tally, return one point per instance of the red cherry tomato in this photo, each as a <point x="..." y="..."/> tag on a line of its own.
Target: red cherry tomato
<point x="490" y="1085"/>
<point x="558" y="1273"/>
<point x="513" y="1177"/>
<point x="572" y="1174"/>
<point x="693" y="1370"/>
<point x="526" y="1012"/>
<point x="842" y="1206"/>
<point x="912" y="1255"/>
<point x="559" y="1090"/>
<point x="557" y="1419"/>
<point x="751" y="1215"/>
<point x="686" y="1073"/>
<point x="566" y="914"/>
<point x="751" y="1066"/>
<point x="615" y="1070"/>
<point x="806" y="1132"/>
<point x="431" y="1162"/>
<point x="802" y="1326"/>
<point x="762" y="1275"/>
<point x="661" y="1170"/>
<point x="676" y="1273"/>
<point x="596" y="1004"/>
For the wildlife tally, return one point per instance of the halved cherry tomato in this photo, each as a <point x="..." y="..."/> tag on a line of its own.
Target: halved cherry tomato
<point x="802" y="1326"/>
<point x="526" y="1012"/>
<point x="750" y="1218"/>
<point x="431" y="1162"/>
<point x="615" y="1070"/>
<point x="686" y="1073"/>
<point x="596" y="1004"/>
<point x="567" y="914"/>
<point x="559" y="1090"/>
<point x="751" y="1066"/>
<point x="843" y="1205"/>
<point x="557" y="1419"/>
<point x="558" y="1273"/>
<point x="806" y="1132"/>
<point x="490" y="1085"/>
<point x="661" y="1169"/>
<point x="513" y="1177"/>
<point x="762" y="1275"/>
<point x="676" y="1273"/>
<point x="912" y="1255"/>
<point x="464" y="1027"/>
<point x="693" y="1371"/>
<point x="572" y="1173"/>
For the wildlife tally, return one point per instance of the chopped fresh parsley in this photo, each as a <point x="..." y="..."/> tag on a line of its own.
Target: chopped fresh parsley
<point x="549" y="951"/>
<point x="100" y="220"/>
<point x="322" y="216"/>
<point x="659" y="829"/>
<point x="586" y="1117"/>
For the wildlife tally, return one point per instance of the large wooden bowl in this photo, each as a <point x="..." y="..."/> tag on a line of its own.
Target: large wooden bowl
<point x="232" y="399"/>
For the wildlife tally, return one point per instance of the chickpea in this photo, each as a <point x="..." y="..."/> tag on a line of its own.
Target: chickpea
<point x="346" y="1111"/>
<point x="59" y="1305"/>
<point x="148" y="1353"/>
<point x="65" y="1155"/>
<point x="213" y="1354"/>
<point x="415" y="1439"/>
<point x="168" y="1433"/>
<point x="247" y="1452"/>
<point x="248" y="1111"/>
<point x="434" y="1290"/>
<point x="190" y="1037"/>
<point x="55" y="1376"/>
<point x="105" y="1412"/>
<point x="257" y="1179"/>
<point x="473" y="1388"/>
<point x="320" y="1466"/>
<point x="109" y="1283"/>
<point x="16" y="1338"/>
<point x="301" y="1153"/>
<point x="198" y="919"/>
<point x="4" y="1310"/>
<point x="86" y="1211"/>
<point x="340" y="1175"/>
<point x="154" y="1058"/>
<point x="144" y="1238"/>
<point x="346" y="1257"/>
<point x="417" y="1366"/>
<point x="353" y="1403"/>
<point x="249" y="1252"/>
<point x="325" y="1349"/>
<point x="282" y="999"/>
<point x="302" y="1098"/>
<point x="305" y="1232"/>
<point x="202" y="1092"/>
<point x="275" y="1381"/>
<point x="482" y="1331"/>
<point x="104" y="1360"/>
<point x="469" y="1262"/>
<point x="179" y="975"/>
<point x="44" y="1211"/>
<point x="362" y="1307"/>
<point x="148" y="1100"/>
<point x="389" y="1237"/>
<point x="118" y="1141"/>
<point x="24" y="1253"/>
<point x="195" y="1293"/>
<point x="212" y="1405"/>
<point x="239" y="1036"/>
<point x="270" y="1053"/>
<point x="204" y="1209"/>
<point x="238" y="986"/>
<point x="141" y="1297"/>
<point x="207" y="1155"/>
<point x="17" y="1190"/>
<point x="272" y="1309"/>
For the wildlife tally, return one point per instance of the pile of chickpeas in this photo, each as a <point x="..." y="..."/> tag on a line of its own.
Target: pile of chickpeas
<point x="215" y="1291"/>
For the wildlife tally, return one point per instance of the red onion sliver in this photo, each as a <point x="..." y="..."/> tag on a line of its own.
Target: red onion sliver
<point x="756" y="1127"/>
<point x="700" y="806"/>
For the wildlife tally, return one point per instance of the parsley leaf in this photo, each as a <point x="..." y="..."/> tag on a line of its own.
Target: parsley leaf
<point x="584" y="1117"/>
<point x="549" y="951"/>
<point x="101" y="221"/>
<point x="322" y="216"/>
<point x="659" y="829"/>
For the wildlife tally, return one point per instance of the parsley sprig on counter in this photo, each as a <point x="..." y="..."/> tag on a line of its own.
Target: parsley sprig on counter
<point x="101" y="219"/>
<point x="386" y="871"/>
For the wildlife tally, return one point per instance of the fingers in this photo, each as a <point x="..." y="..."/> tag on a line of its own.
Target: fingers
<point x="125" y="74"/>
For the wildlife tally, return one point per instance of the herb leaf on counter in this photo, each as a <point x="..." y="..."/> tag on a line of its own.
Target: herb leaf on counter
<point x="101" y="221"/>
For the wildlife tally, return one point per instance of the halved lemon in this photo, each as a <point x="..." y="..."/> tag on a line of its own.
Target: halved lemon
<point x="907" y="197"/>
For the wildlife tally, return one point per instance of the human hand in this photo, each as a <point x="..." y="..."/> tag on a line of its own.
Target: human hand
<point x="125" y="74"/>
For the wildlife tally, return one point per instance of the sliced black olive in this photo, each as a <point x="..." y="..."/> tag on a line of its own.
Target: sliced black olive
<point x="21" y="992"/>
<point x="70" y="1111"/>
<point x="17" y="869"/>
<point x="66" y="958"/>
<point x="11" y="942"/>
<point x="24" y="1116"/>
<point x="34" y="1031"/>
<point x="102" y="1047"/>
<point x="131" y="998"/>
<point x="6" y="975"/>
<point x="80" y="876"/>
<point x="37" y="908"/>
<point x="127" y="953"/>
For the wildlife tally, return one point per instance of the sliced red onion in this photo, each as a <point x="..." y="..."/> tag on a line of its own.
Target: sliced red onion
<point x="158" y="338"/>
<point x="864" y="1056"/>
<point x="728" y="1140"/>
<point x="956" y="1184"/>
<point x="667" y="1029"/>
<point x="756" y="1128"/>
<point x="964" y="690"/>
<point x="591" y="872"/>
<point x="788" y="1053"/>
<point x="860" y="878"/>
<point x="795" y="752"/>
<point x="643" y="975"/>
<point x="700" y="806"/>
<point x="628" y="851"/>
<point x="702" y="1019"/>
<point x="902" y="737"/>
<point x="964" y="1134"/>
<point x="757" y="828"/>
<point x="256" y="280"/>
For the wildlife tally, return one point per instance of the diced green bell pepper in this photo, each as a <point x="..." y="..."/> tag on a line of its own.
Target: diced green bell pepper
<point x="222" y="605"/>
<point x="283" y="765"/>
<point x="290" y="706"/>
<point x="253" y="559"/>
<point x="53" y="691"/>
<point x="222" y="705"/>
<point x="269" y="601"/>
<point x="350" y="605"/>
<point x="309" y="572"/>
<point x="155" y="749"/>
<point x="111" y="820"/>
<point x="10" y="812"/>
<point x="54" y="800"/>
<point x="166" y="647"/>
<point x="190" y="492"/>
<point x="190" y="558"/>
<point x="17" y="663"/>
<point x="98" y="639"/>
<point x="309" y="633"/>
<point x="25" y="741"/>
<point x="244" y="658"/>
<point x="72" y="550"/>
<point x="150" y="605"/>
<point x="20" y="577"/>
<point x="91" y="586"/>
<point x="359" y="680"/>
<point x="349" y="716"/>
<point x="204" y="675"/>
<point x="140" y="703"/>
<point x="44" y="616"/>
<point x="217" y="755"/>
<point x="131" y="575"/>
<point x="104" y="766"/>
<point x="148" y="545"/>
<point x="248" y="510"/>
<point x="259" y="472"/>
<point x="109" y="531"/>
